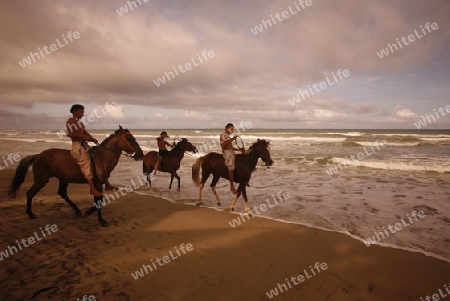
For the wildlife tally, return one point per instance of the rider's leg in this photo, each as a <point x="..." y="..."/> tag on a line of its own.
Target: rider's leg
<point x="157" y="164"/>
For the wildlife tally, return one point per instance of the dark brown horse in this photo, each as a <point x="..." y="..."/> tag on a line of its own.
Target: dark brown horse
<point x="60" y="164"/>
<point x="170" y="163"/>
<point x="214" y="163"/>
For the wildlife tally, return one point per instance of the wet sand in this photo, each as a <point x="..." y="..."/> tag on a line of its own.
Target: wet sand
<point x="225" y="263"/>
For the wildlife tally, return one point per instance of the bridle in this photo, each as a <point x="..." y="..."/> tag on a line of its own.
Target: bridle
<point x="121" y="152"/>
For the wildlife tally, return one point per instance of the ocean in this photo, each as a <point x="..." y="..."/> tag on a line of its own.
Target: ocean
<point x="392" y="174"/>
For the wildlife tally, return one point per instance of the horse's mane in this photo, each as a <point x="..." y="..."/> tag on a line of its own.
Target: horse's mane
<point x="104" y="142"/>
<point x="249" y="152"/>
<point x="255" y="144"/>
<point x="177" y="146"/>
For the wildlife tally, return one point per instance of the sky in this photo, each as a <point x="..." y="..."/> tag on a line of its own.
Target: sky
<point x="117" y="58"/>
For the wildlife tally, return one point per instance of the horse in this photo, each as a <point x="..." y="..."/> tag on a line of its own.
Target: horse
<point x="170" y="162"/>
<point x="59" y="163"/>
<point x="214" y="163"/>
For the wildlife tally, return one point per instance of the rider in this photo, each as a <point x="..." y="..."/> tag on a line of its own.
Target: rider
<point x="80" y="149"/>
<point x="162" y="147"/>
<point x="228" y="152"/>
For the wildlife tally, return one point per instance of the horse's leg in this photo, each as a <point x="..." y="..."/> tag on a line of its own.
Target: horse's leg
<point x="99" y="210"/>
<point x="98" y="201"/>
<point x="62" y="191"/>
<point x="213" y="188"/>
<point x="37" y="186"/>
<point x="200" y="189"/>
<point x="149" y="180"/>
<point x="172" y="175"/>
<point x="244" y="194"/>
<point x="239" y="190"/>
<point x="178" y="178"/>
<point x="205" y="176"/>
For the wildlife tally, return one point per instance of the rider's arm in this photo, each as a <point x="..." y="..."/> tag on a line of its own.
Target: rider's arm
<point x="225" y="142"/>
<point x="76" y="132"/>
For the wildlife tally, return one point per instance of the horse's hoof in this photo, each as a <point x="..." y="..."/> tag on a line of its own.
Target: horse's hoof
<point x="104" y="223"/>
<point x="231" y="209"/>
<point x="218" y="204"/>
<point x="32" y="216"/>
<point x="89" y="212"/>
<point x="78" y="213"/>
<point x="178" y="189"/>
<point x="249" y="214"/>
<point x="199" y="204"/>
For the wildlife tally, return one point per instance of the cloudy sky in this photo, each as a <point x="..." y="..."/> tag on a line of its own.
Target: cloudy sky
<point x="251" y="77"/>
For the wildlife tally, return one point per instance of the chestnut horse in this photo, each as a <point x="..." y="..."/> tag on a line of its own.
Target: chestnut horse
<point x="60" y="164"/>
<point x="214" y="163"/>
<point x="170" y="163"/>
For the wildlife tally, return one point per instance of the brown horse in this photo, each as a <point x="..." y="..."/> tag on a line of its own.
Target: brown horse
<point x="170" y="163"/>
<point x="60" y="164"/>
<point x="214" y="163"/>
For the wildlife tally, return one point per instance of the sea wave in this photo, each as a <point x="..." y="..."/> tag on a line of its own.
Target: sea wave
<point x="392" y="165"/>
<point x="351" y="134"/>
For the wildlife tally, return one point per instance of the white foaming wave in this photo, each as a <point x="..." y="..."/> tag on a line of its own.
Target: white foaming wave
<point x="351" y="134"/>
<point x="436" y="139"/>
<point x="296" y="138"/>
<point x="415" y="135"/>
<point x="253" y="138"/>
<point x="365" y="143"/>
<point x="65" y="141"/>
<point x="392" y="165"/>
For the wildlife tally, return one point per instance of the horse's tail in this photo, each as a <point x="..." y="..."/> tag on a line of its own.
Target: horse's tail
<point x="196" y="171"/>
<point x="19" y="177"/>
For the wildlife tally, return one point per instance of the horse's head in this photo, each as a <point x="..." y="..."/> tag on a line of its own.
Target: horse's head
<point x="127" y="142"/>
<point x="186" y="146"/>
<point x="261" y="148"/>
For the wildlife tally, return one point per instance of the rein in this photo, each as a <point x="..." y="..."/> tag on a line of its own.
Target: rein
<point x="242" y="142"/>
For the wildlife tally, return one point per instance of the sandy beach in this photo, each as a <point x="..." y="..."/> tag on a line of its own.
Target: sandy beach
<point x="224" y="263"/>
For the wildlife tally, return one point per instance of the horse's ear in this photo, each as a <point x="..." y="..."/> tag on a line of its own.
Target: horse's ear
<point x="258" y="140"/>
<point x="120" y="127"/>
